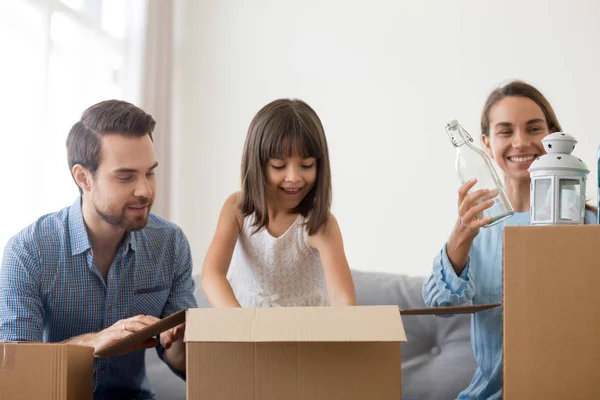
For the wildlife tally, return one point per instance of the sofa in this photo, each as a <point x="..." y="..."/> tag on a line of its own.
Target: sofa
<point x="437" y="359"/>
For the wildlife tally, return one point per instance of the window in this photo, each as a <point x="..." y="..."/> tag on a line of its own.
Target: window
<point x="543" y="200"/>
<point x="570" y="204"/>
<point x="59" y="57"/>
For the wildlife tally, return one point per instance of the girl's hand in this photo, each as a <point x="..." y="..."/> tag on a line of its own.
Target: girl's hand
<point x="470" y="209"/>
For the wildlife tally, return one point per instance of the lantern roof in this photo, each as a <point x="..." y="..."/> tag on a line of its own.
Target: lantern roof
<point x="559" y="146"/>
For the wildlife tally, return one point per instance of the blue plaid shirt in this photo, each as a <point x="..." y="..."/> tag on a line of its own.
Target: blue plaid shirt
<point x="51" y="289"/>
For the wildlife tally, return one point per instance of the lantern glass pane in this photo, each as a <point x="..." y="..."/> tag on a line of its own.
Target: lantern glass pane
<point x="543" y="199"/>
<point x="569" y="200"/>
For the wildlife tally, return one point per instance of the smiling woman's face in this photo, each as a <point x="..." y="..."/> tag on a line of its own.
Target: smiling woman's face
<point x="517" y="127"/>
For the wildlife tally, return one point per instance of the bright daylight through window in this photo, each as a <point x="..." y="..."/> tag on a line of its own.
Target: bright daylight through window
<point x="58" y="58"/>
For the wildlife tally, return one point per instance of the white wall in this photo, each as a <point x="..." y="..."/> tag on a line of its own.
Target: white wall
<point x="385" y="77"/>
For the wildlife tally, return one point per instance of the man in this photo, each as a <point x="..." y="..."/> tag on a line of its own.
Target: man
<point x="105" y="267"/>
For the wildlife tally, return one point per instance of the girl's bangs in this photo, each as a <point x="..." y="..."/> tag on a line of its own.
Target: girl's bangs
<point x="292" y="141"/>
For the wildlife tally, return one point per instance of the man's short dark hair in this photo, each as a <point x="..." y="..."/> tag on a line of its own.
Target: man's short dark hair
<point x="110" y="117"/>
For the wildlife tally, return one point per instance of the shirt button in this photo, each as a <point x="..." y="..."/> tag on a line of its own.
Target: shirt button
<point x="109" y="308"/>
<point x="435" y="351"/>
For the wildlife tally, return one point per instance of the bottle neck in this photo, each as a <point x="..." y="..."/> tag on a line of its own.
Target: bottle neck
<point x="458" y="136"/>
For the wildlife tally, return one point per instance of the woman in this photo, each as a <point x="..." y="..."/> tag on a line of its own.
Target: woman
<point x="515" y="119"/>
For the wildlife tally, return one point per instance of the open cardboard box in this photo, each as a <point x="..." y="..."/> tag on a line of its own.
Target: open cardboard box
<point x="180" y="317"/>
<point x="292" y="353"/>
<point x="51" y="371"/>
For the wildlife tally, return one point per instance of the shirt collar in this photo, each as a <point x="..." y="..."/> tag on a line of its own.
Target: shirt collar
<point x="129" y="241"/>
<point x="79" y="236"/>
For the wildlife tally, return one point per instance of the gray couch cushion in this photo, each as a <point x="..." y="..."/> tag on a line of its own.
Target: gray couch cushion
<point x="437" y="360"/>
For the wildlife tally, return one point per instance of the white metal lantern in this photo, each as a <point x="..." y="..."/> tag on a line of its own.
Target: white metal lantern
<point x="557" y="192"/>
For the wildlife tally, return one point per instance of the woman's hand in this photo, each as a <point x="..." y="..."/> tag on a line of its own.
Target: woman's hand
<point x="470" y="209"/>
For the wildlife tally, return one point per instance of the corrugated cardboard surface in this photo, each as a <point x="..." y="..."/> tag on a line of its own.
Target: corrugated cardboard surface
<point x="294" y="371"/>
<point x="310" y="353"/>
<point x="46" y="371"/>
<point x="552" y="312"/>
<point x="295" y="324"/>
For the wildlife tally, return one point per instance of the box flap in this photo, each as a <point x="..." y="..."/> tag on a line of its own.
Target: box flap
<point x="295" y="324"/>
<point x="450" y="310"/>
<point x="129" y="341"/>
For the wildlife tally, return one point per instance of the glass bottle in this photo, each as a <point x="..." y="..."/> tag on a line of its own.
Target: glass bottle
<point x="472" y="162"/>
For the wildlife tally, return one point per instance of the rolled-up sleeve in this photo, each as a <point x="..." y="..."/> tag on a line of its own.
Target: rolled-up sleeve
<point x="444" y="288"/>
<point x="21" y="306"/>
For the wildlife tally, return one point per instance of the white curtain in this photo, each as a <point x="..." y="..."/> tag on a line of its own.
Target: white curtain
<point x="156" y="92"/>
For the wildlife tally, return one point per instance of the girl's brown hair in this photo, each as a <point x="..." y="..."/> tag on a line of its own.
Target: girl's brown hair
<point x="281" y="129"/>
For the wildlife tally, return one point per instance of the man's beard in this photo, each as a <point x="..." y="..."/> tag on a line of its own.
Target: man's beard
<point x="120" y="220"/>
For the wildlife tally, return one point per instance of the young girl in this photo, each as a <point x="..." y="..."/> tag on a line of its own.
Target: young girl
<point x="515" y="119"/>
<point x="276" y="242"/>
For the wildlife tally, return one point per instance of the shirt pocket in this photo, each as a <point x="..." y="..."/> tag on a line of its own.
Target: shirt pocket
<point x="151" y="289"/>
<point x="150" y="300"/>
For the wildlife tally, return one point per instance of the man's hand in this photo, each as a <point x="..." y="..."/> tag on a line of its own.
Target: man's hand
<point x="167" y="338"/>
<point x="118" y="331"/>
<point x="172" y="341"/>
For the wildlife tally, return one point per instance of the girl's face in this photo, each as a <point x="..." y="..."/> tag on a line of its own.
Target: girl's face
<point x="517" y="127"/>
<point x="289" y="180"/>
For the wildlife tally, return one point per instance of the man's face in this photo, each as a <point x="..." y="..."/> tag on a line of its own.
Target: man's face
<point x="124" y="184"/>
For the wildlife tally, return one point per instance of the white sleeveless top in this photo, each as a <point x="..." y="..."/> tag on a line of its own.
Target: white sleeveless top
<point x="276" y="272"/>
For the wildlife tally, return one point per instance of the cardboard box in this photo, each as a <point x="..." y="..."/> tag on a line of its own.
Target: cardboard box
<point x="307" y="353"/>
<point x="333" y="353"/>
<point x="552" y="312"/>
<point x="48" y="371"/>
